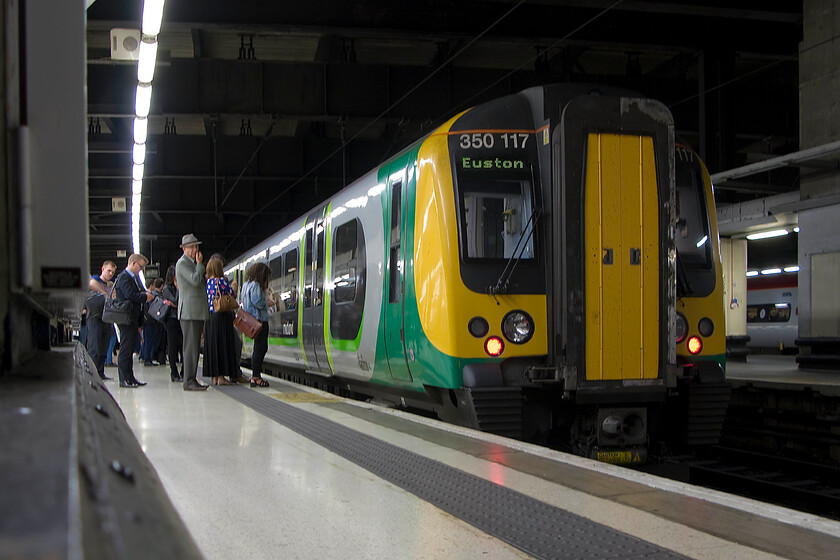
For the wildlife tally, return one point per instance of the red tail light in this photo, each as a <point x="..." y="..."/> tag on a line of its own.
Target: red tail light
<point x="694" y="345"/>
<point x="494" y="346"/>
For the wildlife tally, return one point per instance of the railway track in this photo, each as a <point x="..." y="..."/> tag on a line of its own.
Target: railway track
<point x="801" y="485"/>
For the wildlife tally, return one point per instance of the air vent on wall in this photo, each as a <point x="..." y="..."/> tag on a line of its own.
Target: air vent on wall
<point x="125" y="44"/>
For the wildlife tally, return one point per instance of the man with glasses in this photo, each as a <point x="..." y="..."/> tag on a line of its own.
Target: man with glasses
<point x="129" y="287"/>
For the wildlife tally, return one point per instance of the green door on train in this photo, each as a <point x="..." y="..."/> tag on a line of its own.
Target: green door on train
<point x="395" y="280"/>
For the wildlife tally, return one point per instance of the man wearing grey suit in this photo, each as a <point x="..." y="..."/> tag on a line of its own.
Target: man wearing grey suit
<point x="192" y="306"/>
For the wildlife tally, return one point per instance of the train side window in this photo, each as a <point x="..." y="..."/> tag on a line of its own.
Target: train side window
<point x="394" y="287"/>
<point x="344" y="262"/>
<point x="320" y="265"/>
<point x="768" y="313"/>
<point x="276" y="266"/>
<point x="347" y="303"/>
<point x="282" y="319"/>
<point x="289" y="285"/>
<point x="307" y="263"/>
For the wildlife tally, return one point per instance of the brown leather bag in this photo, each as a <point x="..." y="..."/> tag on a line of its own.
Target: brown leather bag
<point x="247" y="323"/>
<point x="225" y="302"/>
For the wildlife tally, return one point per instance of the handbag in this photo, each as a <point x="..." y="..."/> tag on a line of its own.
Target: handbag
<point x="225" y="302"/>
<point x="247" y="323"/>
<point x="95" y="303"/>
<point x="116" y="312"/>
<point x="158" y="309"/>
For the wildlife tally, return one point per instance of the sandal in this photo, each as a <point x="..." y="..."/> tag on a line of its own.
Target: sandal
<point x="221" y="381"/>
<point x="258" y="382"/>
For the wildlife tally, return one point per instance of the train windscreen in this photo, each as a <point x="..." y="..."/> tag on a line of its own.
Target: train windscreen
<point x="495" y="216"/>
<point x="693" y="235"/>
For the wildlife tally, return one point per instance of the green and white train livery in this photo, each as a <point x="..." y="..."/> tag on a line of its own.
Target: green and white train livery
<point x="512" y="271"/>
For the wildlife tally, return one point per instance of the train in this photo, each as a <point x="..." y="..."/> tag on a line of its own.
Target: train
<point x="698" y="410"/>
<point x="513" y="271"/>
<point x="773" y="313"/>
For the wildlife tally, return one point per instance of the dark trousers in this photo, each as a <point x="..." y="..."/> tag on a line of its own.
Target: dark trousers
<point x="151" y="341"/>
<point x="174" y="341"/>
<point x="99" y="335"/>
<point x="125" y="361"/>
<point x="260" y="348"/>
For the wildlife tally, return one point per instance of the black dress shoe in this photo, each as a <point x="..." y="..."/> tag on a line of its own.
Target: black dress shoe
<point x="139" y="383"/>
<point x="106" y="378"/>
<point x="128" y="385"/>
<point x="195" y="387"/>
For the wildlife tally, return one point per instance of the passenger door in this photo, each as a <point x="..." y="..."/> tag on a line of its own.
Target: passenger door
<point x="395" y="304"/>
<point x="314" y="277"/>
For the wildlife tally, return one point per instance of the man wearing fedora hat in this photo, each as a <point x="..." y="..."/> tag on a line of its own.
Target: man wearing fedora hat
<point x="192" y="306"/>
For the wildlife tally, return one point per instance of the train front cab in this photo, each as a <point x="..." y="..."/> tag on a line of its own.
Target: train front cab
<point x="703" y="393"/>
<point x="612" y="286"/>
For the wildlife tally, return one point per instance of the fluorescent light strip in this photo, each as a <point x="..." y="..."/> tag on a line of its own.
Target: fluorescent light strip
<point x="138" y="154"/>
<point x="767" y="234"/>
<point x="146" y="61"/>
<point x="141" y="128"/>
<point x="152" y="17"/>
<point x="143" y="100"/>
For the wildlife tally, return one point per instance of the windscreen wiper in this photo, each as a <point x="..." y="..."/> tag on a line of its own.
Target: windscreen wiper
<point x="501" y="285"/>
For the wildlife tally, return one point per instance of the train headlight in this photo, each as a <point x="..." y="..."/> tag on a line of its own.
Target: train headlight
<point x="494" y="346"/>
<point x="682" y="327"/>
<point x="694" y="345"/>
<point x="706" y="327"/>
<point x="478" y="327"/>
<point x="518" y="327"/>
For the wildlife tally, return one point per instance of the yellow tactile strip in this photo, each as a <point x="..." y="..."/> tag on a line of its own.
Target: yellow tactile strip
<point x="302" y="397"/>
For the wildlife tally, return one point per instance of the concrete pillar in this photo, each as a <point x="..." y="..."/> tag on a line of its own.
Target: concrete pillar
<point x="819" y="237"/>
<point x="734" y="255"/>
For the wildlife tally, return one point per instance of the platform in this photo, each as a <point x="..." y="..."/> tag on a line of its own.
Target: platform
<point x="296" y="473"/>
<point x="781" y="372"/>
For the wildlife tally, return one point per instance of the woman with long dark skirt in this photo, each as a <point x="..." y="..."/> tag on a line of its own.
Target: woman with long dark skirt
<point x="219" y="349"/>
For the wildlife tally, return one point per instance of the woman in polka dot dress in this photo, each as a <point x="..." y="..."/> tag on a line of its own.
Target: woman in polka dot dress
<point x="219" y="348"/>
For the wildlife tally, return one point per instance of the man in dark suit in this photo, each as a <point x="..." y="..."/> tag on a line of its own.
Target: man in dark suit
<point x="129" y="287"/>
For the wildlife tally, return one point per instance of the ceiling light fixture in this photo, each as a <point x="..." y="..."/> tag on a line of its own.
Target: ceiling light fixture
<point x="767" y="234"/>
<point x="146" y="61"/>
<point x="152" y="18"/>
<point x="143" y="100"/>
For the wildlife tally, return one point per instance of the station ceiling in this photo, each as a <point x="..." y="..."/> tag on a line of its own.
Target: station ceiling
<point x="262" y="109"/>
